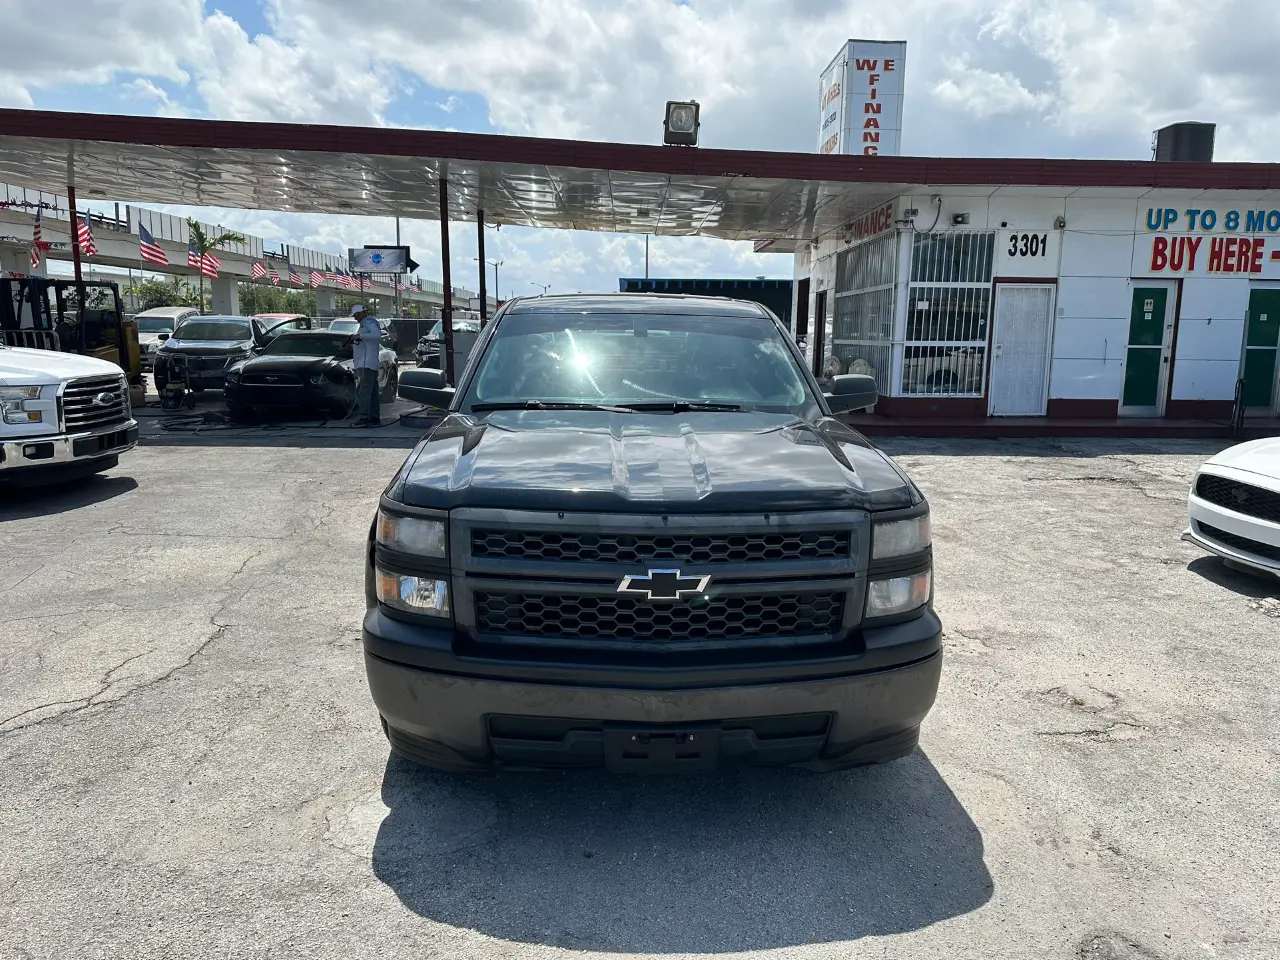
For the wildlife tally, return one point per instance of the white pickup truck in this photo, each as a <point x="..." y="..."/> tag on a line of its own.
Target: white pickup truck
<point x="62" y="416"/>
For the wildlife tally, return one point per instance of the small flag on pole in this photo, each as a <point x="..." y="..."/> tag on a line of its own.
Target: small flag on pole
<point x="84" y="237"/>
<point x="317" y="278"/>
<point x="275" y="277"/>
<point x="294" y="279"/>
<point x="148" y="249"/>
<point x="259" y="270"/>
<point x="39" y="247"/>
<point x="210" y="265"/>
<point x="193" y="255"/>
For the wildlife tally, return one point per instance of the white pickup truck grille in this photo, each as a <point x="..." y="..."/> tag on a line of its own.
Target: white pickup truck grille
<point x="91" y="403"/>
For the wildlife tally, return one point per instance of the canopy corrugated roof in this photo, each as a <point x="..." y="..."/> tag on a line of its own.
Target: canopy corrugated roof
<point x="630" y="188"/>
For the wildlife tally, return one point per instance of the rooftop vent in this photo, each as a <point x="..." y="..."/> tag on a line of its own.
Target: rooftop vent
<point x="1183" y="141"/>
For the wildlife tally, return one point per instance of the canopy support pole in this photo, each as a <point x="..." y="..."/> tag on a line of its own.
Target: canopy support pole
<point x="446" y="312"/>
<point x="484" y="300"/>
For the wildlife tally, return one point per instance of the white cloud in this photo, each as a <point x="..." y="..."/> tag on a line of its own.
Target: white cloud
<point x="983" y="93"/>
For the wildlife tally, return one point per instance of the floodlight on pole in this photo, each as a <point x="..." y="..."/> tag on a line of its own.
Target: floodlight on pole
<point x="545" y="286"/>
<point x="680" y="126"/>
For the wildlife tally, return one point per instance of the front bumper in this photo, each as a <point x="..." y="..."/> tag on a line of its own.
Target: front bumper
<point x="66" y="449"/>
<point x="839" y="712"/>
<point x="1248" y="541"/>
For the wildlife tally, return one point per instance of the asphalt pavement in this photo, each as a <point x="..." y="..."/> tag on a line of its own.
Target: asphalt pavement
<point x="190" y="765"/>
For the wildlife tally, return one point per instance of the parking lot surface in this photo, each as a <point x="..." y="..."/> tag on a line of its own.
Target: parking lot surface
<point x="190" y="764"/>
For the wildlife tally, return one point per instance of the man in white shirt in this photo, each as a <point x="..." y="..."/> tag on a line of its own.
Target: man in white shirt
<point x="366" y="345"/>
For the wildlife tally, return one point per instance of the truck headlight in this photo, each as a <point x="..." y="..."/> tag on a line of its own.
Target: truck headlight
<point x="415" y="535"/>
<point x="233" y="376"/>
<point x="900" y="538"/>
<point x="896" y="595"/>
<point x="13" y="401"/>
<point x="423" y="595"/>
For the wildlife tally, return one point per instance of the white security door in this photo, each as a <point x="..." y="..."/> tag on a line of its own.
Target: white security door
<point x="1020" y="349"/>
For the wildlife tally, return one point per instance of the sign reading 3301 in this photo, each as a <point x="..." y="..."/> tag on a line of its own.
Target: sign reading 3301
<point x="1028" y="245"/>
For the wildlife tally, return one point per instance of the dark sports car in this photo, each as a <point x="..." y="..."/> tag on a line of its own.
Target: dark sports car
<point x="308" y="369"/>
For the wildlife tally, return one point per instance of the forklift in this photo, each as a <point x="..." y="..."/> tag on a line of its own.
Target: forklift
<point x="46" y="314"/>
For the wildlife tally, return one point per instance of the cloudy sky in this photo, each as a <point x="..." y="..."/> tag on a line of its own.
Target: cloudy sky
<point x="1057" y="78"/>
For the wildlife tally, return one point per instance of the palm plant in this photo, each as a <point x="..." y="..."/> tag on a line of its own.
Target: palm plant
<point x="204" y="243"/>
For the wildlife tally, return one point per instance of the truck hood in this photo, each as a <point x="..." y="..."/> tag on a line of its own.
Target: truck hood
<point x="595" y="461"/>
<point x="20" y="367"/>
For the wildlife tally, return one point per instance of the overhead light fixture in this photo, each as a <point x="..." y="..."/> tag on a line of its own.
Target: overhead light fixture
<point x="680" y="128"/>
<point x="97" y="193"/>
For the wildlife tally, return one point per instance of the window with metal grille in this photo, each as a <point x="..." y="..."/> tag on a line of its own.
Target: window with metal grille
<point x="862" y="340"/>
<point x="948" y="308"/>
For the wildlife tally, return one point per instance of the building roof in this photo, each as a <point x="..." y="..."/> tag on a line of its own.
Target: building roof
<point x="630" y="188"/>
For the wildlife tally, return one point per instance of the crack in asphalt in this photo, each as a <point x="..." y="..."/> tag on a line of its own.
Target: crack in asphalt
<point x="1129" y="482"/>
<point x="15" y="586"/>
<point x="108" y="680"/>
<point x="1095" y="734"/>
<point x="82" y="703"/>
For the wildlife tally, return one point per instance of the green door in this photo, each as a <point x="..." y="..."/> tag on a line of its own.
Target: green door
<point x="1144" y="358"/>
<point x="1261" y="336"/>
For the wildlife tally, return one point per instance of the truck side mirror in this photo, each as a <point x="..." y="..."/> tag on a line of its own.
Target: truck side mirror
<point x="163" y="337"/>
<point x="426" y="386"/>
<point x="851" y="391"/>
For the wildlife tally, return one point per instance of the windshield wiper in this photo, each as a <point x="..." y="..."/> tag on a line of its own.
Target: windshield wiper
<point x="683" y="406"/>
<point x="545" y="405"/>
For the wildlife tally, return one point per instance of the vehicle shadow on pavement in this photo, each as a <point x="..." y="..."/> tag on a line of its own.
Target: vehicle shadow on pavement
<point x="25" y="503"/>
<point x="732" y="861"/>
<point x="1216" y="571"/>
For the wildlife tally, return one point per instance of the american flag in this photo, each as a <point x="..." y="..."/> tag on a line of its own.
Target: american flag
<point x="275" y="277"/>
<point x="210" y="266"/>
<point x="84" y="237"/>
<point x="294" y="279"/>
<point x="334" y="276"/>
<point x="39" y="247"/>
<point x="148" y="250"/>
<point x="259" y="270"/>
<point x="317" y="279"/>
<point x="193" y="255"/>
<point x="346" y="279"/>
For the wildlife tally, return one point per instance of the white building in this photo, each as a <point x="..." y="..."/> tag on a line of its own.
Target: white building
<point x="1085" y="301"/>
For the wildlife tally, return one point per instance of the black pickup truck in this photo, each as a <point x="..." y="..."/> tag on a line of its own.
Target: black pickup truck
<point x="639" y="539"/>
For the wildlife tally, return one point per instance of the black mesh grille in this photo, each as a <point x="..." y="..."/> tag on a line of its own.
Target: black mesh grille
<point x="610" y="617"/>
<point x="1241" y="497"/>
<point x="646" y="548"/>
<point x="1240" y="543"/>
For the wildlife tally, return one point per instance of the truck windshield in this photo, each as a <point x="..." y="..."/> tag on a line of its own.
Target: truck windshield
<point x="212" y="330"/>
<point x="155" y="324"/>
<point x="650" y="360"/>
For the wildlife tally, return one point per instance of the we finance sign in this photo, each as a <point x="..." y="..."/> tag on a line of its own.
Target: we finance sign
<point x="1208" y="241"/>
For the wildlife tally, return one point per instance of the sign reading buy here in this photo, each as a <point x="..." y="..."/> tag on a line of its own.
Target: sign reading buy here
<point x="1208" y="241"/>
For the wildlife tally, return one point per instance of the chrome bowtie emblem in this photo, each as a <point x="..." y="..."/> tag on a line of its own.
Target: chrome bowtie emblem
<point x="663" y="585"/>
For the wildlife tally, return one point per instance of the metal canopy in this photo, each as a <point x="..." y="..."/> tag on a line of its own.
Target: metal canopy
<point x="629" y="188"/>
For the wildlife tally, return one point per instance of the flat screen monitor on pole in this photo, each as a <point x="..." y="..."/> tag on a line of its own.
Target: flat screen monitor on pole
<point x="380" y="260"/>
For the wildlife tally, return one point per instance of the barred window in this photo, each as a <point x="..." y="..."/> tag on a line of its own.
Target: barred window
<point x="948" y="309"/>
<point x="862" y="331"/>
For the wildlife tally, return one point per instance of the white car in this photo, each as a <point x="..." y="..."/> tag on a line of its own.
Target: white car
<point x="1234" y="506"/>
<point x="62" y="416"/>
<point x="155" y="325"/>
